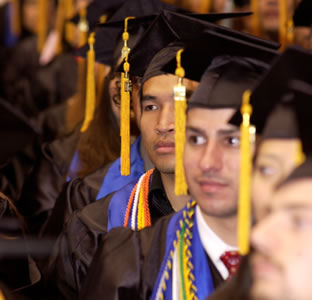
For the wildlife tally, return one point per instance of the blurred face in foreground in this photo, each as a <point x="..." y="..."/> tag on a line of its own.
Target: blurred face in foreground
<point x="281" y="263"/>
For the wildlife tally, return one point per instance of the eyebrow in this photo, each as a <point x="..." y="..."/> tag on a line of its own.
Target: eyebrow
<point x="297" y="206"/>
<point x="231" y="131"/>
<point x="222" y="132"/>
<point x="148" y="98"/>
<point x="195" y="130"/>
<point x="271" y="156"/>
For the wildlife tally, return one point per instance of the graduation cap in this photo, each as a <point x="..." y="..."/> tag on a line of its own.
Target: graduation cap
<point x="292" y="64"/>
<point x="241" y="3"/>
<point x="302" y="93"/>
<point x="171" y="26"/>
<point x="16" y="131"/>
<point x="108" y="35"/>
<point x="281" y="122"/>
<point x="120" y="9"/>
<point x="303" y="107"/>
<point x="303" y="14"/>
<point x="226" y="67"/>
<point x="96" y="9"/>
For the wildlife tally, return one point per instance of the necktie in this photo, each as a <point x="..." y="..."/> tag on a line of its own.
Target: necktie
<point x="231" y="260"/>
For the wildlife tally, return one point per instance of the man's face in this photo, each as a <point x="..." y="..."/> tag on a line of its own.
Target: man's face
<point x="269" y="14"/>
<point x="157" y="120"/>
<point x="275" y="160"/>
<point x="30" y="13"/>
<point x="281" y="263"/>
<point x="212" y="160"/>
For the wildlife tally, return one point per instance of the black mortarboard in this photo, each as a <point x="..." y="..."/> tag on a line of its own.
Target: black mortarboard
<point x="226" y="65"/>
<point x="281" y="123"/>
<point x="225" y="80"/>
<point x="166" y="28"/>
<point x="16" y="131"/>
<point x="162" y="58"/>
<point x="241" y="3"/>
<point x="201" y="51"/>
<point x="108" y="35"/>
<point x="303" y="108"/>
<point x="302" y="93"/>
<point x="294" y="63"/>
<point x="303" y="14"/>
<point x="108" y="43"/>
<point x="120" y="9"/>
<point x="96" y="9"/>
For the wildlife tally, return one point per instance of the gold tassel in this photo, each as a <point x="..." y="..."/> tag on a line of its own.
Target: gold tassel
<point x="103" y="19"/>
<point x="83" y="27"/>
<point x="90" y="88"/>
<point x="59" y="25"/>
<point x="300" y="157"/>
<point x="125" y="105"/>
<point x="205" y="6"/>
<point x="255" y="17"/>
<point x="290" y="32"/>
<point x="244" y="205"/>
<point x="179" y="92"/>
<point x="15" y="18"/>
<point x="42" y="24"/>
<point x="69" y="27"/>
<point x="1" y="296"/>
<point x="283" y="23"/>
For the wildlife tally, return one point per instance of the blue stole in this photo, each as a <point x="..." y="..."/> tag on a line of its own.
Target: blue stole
<point x="74" y="167"/>
<point x="118" y="206"/>
<point x="202" y="272"/>
<point x="10" y="39"/>
<point x="114" y="181"/>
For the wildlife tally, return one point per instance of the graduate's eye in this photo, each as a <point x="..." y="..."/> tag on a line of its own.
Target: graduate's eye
<point x="150" y="107"/>
<point x="266" y="170"/>
<point x="300" y="222"/>
<point x="232" y="141"/>
<point x="196" y="140"/>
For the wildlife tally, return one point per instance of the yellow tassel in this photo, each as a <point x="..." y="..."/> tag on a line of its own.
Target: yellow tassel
<point x="180" y="186"/>
<point x="69" y="27"/>
<point x="90" y="88"/>
<point x="83" y="26"/>
<point x="103" y="19"/>
<point x="125" y="105"/>
<point x="42" y="24"/>
<point x="290" y="32"/>
<point x="300" y="157"/>
<point x="244" y="206"/>
<point x="205" y="6"/>
<point x="283" y="23"/>
<point x="15" y="18"/>
<point x="255" y="17"/>
<point x="60" y="24"/>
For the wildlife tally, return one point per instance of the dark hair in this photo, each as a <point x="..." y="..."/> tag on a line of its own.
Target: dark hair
<point x="100" y="144"/>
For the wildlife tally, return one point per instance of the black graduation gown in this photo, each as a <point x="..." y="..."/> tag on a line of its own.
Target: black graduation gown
<point x="33" y="88"/>
<point x="81" y="236"/>
<point x="76" y="194"/>
<point x="238" y="287"/>
<point x="45" y="183"/>
<point x="16" y="271"/>
<point x="127" y="263"/>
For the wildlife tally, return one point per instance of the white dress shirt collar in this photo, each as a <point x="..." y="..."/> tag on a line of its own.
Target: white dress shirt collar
<point x="214" y="246"/>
